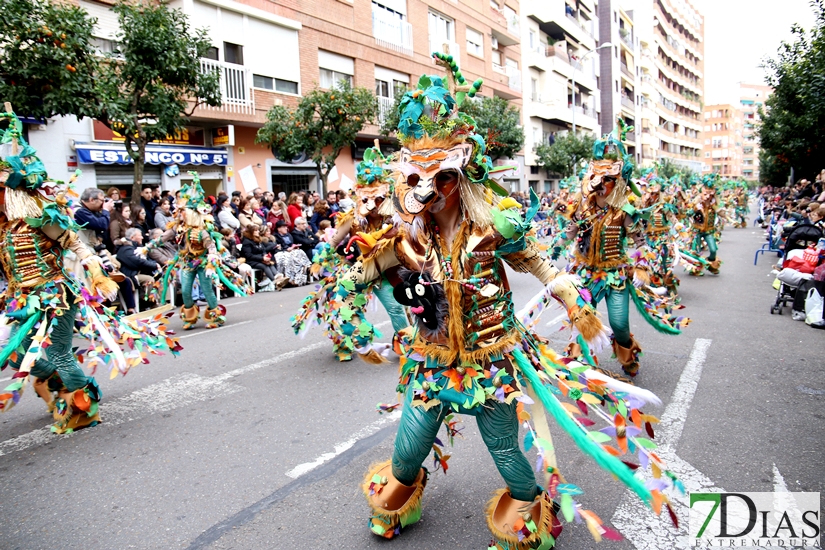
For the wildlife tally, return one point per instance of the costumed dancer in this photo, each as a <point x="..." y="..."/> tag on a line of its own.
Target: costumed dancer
<point x="471" y="353"/>
<point x="658" y="211"/>
<point x="702" y="215"/>
<point x="52" y="277"/>
<point x="741" y="208"/>
<point x="364" y="224"/>
<point x="198" y="256"/>
<point x="600" y="222"/>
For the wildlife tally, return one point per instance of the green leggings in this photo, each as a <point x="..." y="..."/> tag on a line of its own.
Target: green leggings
<point x="712" y="248"/>
<point x="397" y="316"/>
<point x="59" y="356"/>
<point x="618" y="313"/>
<point x="498" y="425"/>
<point x="188" y="279"/>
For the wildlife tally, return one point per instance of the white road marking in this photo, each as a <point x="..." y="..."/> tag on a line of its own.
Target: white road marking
<point x="367" y="431"/>
<point x="779" y="485"/>
<point x="636" y="521"/>
<point x="170" y="394"/>
<point x="213" y="330"/>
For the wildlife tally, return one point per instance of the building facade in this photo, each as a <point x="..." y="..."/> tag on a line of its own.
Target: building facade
<point x="751" y="98"/>
<point x="619" y="82"/>
<point x="270" y="53"/>
<point x="558" y="43"/>
<point x="671" y="82"/>
<point x="723" y="142"/>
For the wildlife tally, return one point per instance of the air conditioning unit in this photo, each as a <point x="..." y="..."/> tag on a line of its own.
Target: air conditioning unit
<point x="494" y="42"/>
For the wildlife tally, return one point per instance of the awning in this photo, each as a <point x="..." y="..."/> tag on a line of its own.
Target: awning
<point x="115" y="153"/>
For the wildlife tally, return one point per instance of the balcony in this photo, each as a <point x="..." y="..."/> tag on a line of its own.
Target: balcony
<point x="626" y="72"/>
<point x="513" y="78"/>
<point x="391" y="32"/>
<point x="627" y="102"/>
<point x="438" y="44"/>
<point x="630" y="137"/>
<point x="385" y="105"/>
<point x="627" y="38"/>
<point x="235" y="86"/>
<point x="553" y="15"/>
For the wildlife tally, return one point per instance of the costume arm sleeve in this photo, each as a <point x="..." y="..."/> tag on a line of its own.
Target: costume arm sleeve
<point x="341" y="232"/>
<point x="532" y="260"/>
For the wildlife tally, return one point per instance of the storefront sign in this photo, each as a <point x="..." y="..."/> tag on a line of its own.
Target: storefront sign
<point x="98" y="153"/>
<point x="223" y="136"/>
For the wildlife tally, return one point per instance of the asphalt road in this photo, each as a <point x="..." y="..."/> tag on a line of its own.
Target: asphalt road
<point x="256" y="439"/>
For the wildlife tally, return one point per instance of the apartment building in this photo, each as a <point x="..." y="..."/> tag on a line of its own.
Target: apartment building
<point x="722" y="151"/>
<point x="671" y="81"/>
<point x="271" y="53"/>
<point x="619" y="61"/>
<point x="751" y="97"/>
<point x="558" y="42"/>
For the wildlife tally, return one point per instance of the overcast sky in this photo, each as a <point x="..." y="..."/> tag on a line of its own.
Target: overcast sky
<point x="738" y="34"/>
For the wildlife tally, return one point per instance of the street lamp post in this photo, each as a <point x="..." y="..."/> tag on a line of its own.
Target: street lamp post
<point x="579" y="63"/>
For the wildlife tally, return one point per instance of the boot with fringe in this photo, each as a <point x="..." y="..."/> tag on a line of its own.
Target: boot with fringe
<point x="394" y="505"/>
<point x="628" y="357"/>
<point x="75" y="410"/>
<point x="713" y="266"/>
<point x="522" y="525"/>
<point x="48" y="388"/>
<point x="214" y="317"/>
<point x="190" y="316"/>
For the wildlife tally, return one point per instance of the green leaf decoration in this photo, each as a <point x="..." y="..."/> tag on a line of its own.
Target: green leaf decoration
<point x="646" y="443"/>
<point x="599" y="437"/>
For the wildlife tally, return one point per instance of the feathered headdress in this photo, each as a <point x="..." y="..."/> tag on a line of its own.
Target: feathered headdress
<point x="610" y="160"/>
<point x="192" y="196"/>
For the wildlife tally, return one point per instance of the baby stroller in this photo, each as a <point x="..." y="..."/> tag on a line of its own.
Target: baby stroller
<point x="797" y="238"/>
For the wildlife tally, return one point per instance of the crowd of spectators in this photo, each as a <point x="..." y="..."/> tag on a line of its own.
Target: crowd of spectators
<point x="275" y="236"/>
<point x="794" y="217"/>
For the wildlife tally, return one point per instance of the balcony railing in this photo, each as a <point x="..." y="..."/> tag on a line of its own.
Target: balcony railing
<point x="513" y="78"/>
<point x="392" y="32"/>
<point x="626" y="71"/>
<point x="627" y="39"/>
<point x="627" y="102"/>
<point x="235" y="86"/>
<point x="630" y="137"/>
<point x="385" y="105"/>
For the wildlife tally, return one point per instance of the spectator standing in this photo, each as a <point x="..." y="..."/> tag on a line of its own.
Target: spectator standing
<point x="93" y="217"/>
<point x="305" y="237"/>
<point x="332" y="201"/>
<point x="163" y="215"/>
<point x="113" y="193"/>
<point x="120" y="221"/>
<point x="148" y="206"/>
<point x="294" y="209"/>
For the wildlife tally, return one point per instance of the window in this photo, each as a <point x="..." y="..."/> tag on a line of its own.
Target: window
<point x="533" y="40"/>
<point x="211" y="53"/>
<point x="441" y="27"/>
<point x="534" y="169"/>
<point x="276" y="84"/>
<point x="707" y="154"/>
<point x="330" y="78"/>
<point x="382" y="88"/>
<point x="475" y="42"/>
<point x="104" y="45"/>
<point x="233" y="53"/>
<point x="334" y="69"/>
<point x="496" y="55"/>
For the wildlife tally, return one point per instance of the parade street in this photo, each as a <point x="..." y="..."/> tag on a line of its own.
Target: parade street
<point x="254" y="438"/>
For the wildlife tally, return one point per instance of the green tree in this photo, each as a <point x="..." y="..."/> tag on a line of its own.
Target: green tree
<point x="565" y="154"/>
<point x="496" y="120"/>
<point x="47" y="61"/>
<point x="792" y="127"/>
<point x="499" y="123"/>
<point x="151" y="86"/>
<point x="323" y="124"/>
